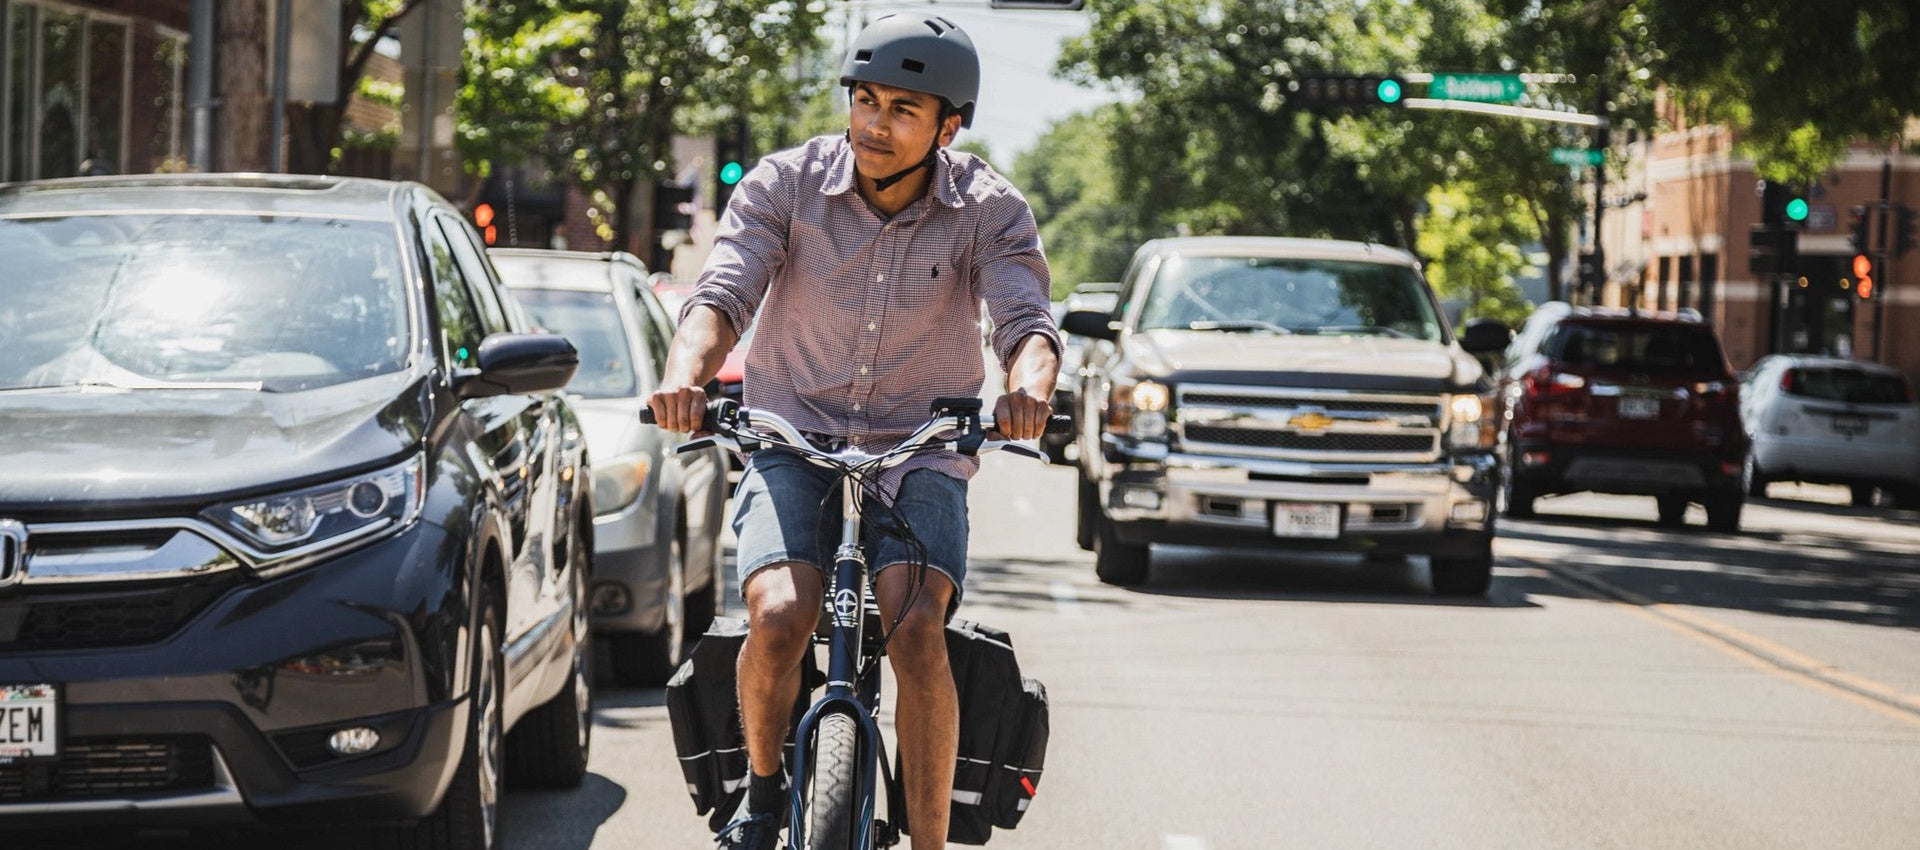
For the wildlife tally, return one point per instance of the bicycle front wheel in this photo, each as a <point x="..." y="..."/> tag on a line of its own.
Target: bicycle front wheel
<point x="831" y="794"/>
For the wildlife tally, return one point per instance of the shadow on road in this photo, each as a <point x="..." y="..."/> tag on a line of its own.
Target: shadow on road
<point x="566" y="819"/>
<point x="1808" y="572"/>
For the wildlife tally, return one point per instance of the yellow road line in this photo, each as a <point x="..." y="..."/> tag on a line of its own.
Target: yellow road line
<point x="1759" y="652"/>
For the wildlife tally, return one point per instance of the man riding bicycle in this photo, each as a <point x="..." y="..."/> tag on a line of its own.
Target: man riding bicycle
<point x="865" y="257"/>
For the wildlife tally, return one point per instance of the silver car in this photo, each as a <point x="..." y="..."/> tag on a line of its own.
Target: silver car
<point x="1831" y="421"/>
<point x="656" y="551"/>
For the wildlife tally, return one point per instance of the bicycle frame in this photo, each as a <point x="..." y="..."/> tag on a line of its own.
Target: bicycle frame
<point x="847" y="692"/>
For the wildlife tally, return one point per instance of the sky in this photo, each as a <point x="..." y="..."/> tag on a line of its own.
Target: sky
<point x="1019" y="95"/>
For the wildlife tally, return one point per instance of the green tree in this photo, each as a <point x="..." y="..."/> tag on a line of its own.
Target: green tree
<point x="1799" y="81"/>
<point x="316" y="130"/>
<point x="596" y="89"/>
<point x="1475" y="253"/>
<point x="1068" y="178"/>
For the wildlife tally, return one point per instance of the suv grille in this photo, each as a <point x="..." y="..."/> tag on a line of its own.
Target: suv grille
<point x="57" y="617"/>
<point x="113" y="767"/>
<point x="1311" y="425"/>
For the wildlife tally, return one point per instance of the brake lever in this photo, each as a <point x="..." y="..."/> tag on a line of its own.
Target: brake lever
<point x="1021" y="449"/>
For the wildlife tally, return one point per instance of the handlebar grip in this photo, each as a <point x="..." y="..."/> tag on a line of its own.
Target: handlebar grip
<point x="1059" y="424"/>
<point x="710" y="421"/>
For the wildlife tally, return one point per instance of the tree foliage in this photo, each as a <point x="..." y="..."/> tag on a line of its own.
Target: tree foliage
<point x="1089" y="233"/>
<point x="596" y="89"/>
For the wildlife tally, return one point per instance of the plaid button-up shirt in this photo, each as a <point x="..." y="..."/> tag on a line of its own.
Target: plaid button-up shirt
<point x="863" y="319"/>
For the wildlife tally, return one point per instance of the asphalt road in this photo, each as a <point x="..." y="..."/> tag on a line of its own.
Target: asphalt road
<point x="1623" y="685"/>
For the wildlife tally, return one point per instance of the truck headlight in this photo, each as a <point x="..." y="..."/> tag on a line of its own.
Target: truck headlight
<point x="1470" y="422"/>
<point x="1138" y="409"/>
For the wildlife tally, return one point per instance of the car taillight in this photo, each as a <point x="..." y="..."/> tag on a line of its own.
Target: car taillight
<point x="1545" y="381"/>
<point x="1790" y="380"/>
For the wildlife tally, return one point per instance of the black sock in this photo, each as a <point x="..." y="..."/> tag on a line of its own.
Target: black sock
<point x="767" y="794"/>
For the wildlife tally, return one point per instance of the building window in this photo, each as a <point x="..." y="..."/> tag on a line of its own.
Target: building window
<point x="86" y="92"/>
<point x="1685" y="280"/>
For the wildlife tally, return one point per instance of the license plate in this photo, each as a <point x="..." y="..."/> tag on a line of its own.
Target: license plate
<point x="1636" y="407"/>
<point x="29" y="722"/>
<point x="1316" y="520"/>
<point x="1850" y="424"/>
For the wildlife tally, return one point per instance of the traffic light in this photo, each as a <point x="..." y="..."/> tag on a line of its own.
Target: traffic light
<point x="1860" y="229"/>
<point x="1863" y="276"/>
<point x="1345" y="90"/>
<point x="1772" y="249"/>
<point x="1782" y="204"/>
<point x="729" y="161"/>
<point x="672" y="207"/>
<point x="483" y="220"/>
<point x="1042" y="5"/>
<point x="1903" y="226"/>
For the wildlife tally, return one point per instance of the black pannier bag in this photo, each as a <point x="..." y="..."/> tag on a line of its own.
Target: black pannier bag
<point x="703" y="706"/>
<point x="1003" y="733"/>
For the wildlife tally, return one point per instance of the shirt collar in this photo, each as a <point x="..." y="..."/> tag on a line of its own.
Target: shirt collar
<point x="840" y="175"/>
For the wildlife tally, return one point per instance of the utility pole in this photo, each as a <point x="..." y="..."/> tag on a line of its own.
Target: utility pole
<point x="1601" y="139"/>
<point x="1880" y="255"/>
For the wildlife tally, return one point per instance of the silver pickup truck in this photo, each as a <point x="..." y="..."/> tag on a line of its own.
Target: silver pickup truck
<point x="1286" y="394"/>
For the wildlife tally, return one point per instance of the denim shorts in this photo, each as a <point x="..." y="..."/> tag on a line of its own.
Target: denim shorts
<point x="788" y="509"/>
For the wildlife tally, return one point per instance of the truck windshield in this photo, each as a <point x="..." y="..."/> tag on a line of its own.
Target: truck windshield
<point x="1290" y="296"/>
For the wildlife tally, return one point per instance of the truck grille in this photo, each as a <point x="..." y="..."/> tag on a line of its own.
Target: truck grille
<point x="1310" y="424"/>
<point x="113" y="767"/>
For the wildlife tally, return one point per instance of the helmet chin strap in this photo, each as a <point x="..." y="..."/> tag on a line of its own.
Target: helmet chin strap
<point x="882" y="184"/>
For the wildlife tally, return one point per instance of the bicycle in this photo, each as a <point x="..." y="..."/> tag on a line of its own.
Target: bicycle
<point x="838" y="750"/>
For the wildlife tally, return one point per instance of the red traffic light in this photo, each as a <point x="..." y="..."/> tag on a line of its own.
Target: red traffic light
<point x="1864" y="288"/>
<point x="1862" y="266"/>
<point x="483" y="215"/>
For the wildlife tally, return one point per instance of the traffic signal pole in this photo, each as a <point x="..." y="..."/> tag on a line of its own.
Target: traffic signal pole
<point x="1880" y="258"/>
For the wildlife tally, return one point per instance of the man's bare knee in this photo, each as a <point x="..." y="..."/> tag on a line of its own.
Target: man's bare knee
<point x="783" y="606"/>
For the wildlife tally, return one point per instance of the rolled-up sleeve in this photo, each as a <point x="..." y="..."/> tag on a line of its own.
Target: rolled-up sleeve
<point x="1011" y="275"/>
<point x="748" y="249"/>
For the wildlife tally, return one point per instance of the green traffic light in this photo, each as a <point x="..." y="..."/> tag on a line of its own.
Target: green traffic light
<point x="1389" y="91"/>
<point x="1797" y="209"/>
<point x="731" y="173"/>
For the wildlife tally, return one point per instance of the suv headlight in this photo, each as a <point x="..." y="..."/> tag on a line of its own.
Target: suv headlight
<point x="1138" y="409"/>
<point x="1470" y="421"/>
<point x="321" y="519"/>
<point x="618" y="482"/>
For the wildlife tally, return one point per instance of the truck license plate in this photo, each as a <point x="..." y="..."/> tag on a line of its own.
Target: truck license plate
<point x="1318" y="520"/>
<point x="29" y="722"/>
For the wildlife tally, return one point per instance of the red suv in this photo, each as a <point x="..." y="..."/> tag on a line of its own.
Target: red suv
<point x="1616" y="401"/>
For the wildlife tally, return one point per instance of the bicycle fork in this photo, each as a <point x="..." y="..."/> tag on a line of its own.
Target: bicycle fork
<point x="847" y="692"/>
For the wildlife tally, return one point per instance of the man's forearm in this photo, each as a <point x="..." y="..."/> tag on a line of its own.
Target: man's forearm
<point x="699" y="349"/>
<point x="1035" y="367"/>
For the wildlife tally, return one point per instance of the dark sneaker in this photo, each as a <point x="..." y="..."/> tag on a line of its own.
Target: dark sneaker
<point x="750" y="832"/>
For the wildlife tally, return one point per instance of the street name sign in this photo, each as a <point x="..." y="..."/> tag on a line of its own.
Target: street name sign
<point x="1481" y="88"/>
<point x="1578" y="156"/>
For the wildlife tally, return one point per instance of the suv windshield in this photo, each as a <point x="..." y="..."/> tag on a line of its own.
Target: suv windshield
<point x="591" y="321"/>
<point x="1639" y="347"/>
<point x="1290" y="296"/>
<point x="1849" y="385"/>
<point x="268" y="302"/>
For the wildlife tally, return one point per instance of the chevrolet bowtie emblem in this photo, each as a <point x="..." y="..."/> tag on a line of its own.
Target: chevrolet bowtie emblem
<point x="1310" y="421"/>
<point x="13" y="552"/>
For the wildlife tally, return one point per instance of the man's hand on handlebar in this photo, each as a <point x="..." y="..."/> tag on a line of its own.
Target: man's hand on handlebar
<point x="680" y="408"/>
<point x="1019" y="416"/>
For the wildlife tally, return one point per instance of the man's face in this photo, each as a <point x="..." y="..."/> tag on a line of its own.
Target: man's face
<point x="892" y="129"/>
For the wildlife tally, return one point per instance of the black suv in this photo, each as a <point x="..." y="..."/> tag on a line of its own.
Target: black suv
<point x="293" y="528"/>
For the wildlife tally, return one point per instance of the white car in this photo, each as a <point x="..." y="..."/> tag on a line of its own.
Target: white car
<point x="1830" y="421"/>
<point x="657" y="557"/>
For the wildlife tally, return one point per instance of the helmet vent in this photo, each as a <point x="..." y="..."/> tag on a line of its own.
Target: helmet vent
<point x="936" y="27"/>
<point x="914" y="65"/>
<point x="863" y="56"/>
<point x="950" y="24"/>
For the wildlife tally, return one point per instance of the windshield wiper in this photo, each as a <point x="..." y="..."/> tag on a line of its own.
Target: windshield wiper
<point x="1357" y="329"/>
<point x="1238" y="325"/>
<point x="154" y="384"/>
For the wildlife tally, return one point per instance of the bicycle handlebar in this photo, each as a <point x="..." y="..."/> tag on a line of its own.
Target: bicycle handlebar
<point x="731" y="425"/>
<point x="1056" y="424"/>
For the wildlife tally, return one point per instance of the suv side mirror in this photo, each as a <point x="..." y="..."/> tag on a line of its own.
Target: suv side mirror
<point x="1485" y="336"/>
<point x="518" y="364"/>
<point x="1091" y="324"/>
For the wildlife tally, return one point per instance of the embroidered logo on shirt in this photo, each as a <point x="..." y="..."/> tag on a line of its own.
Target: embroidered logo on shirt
<point x="936" y="271"/>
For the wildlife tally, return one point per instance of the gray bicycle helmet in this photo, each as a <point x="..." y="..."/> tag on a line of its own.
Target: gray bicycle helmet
<point x="927" y="54"/>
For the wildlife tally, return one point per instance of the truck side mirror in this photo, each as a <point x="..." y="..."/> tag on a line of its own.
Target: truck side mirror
<point x="1485" y="336"/>
<point x="1090" y="324"/>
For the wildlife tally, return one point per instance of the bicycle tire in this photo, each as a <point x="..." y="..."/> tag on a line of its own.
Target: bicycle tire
<point x="830" y="793"/>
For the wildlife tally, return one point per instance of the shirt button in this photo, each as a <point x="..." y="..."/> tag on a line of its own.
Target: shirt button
<point x="856" y="407"/>
<point x="881" y="278"/>
<point x="872" y="327"/>
<point x="863" y="370"/>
